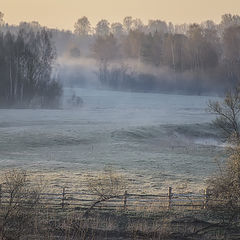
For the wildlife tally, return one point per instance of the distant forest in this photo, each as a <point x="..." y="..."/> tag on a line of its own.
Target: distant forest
<point x="155" y="57"/>
<point x="194" y="58"/>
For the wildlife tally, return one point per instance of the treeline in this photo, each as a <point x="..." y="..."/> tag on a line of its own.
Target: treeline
<point x="26" y="64"/>
<point x="158" y="56"/>
<point x="199" y="56"/>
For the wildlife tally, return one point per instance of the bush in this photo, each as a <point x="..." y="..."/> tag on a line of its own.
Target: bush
<point x="225" y="187"/>
<point x="20" y="204"/>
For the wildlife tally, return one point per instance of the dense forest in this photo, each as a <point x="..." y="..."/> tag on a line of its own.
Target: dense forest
<point x="160" y="56"/>
<point x="26" y="76"/>
<point x="193" y="58"/>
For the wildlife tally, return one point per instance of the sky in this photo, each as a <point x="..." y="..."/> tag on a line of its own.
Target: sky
<point x="63" y="14"/>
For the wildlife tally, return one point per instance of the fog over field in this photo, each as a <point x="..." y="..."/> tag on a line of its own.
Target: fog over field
<point x="129" y="95"/>
<point x="135" y="133"/>
<point x="119" y="119"/>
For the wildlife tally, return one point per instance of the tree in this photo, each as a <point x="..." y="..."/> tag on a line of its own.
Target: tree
<point x="231" y="50"/>
<point x="127" y="23"/>
<point x="171" y="28"/>
<point x="208" y="24"/>
<point x="195" y="36"/>
<point x="105" y="48"/>
<point x="181" y="28"/>
<point x="132" y="44"/>
<point x="180" y="58"/>
<point x="102" y="28"/>
<point x="157" y="26"/>
<point x="152" y="48"/>
<point x="229" y="20"/>
<point x="108" y="185"/>
<point x="174" y="54"/>
<point x="1" y="19"/>
<point x="26" y="62"/>
<point x="202" y="53"/>
<point x="228" y="115"/>
<point x="117" y="29"/>
<point x="137" y="25"/>
<point x="211" y="35"/>
<point x="21" y="205"/>
<point x="226" y="186"/>
<point x="82" y="27"/>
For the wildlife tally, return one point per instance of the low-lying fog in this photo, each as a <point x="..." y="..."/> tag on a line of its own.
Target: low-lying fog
<point x="157" y="139"/>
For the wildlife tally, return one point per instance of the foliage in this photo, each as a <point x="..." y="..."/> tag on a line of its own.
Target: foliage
<point x="197" y="58"/>
<point x="228" y="113"/>
<point x="207" y="52"/>
<point x="26" y="61"/>
<point x="82" y="27"/>
<point x="1" y="19"/>
<point x="103" y="28"/>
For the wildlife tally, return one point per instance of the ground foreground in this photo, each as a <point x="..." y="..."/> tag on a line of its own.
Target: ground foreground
<point x="62" y="224"/>
<point x="165" y="225"/>
<point x="108" y="211"/>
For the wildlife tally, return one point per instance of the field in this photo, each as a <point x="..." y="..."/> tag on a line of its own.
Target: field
<point x="154" y="140"/>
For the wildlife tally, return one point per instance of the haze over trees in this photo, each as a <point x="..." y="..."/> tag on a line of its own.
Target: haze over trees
<point x="193" y="58"/>
<point x="158" y="56"/>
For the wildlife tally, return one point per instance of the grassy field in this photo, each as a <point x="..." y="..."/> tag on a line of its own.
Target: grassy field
<point x="27" y="213"/>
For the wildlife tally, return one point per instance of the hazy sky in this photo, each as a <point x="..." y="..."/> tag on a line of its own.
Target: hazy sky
<point x="63" y="13"/>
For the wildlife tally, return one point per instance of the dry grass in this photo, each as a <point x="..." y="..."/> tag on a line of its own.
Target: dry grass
<point x="21" y="219"/>
<point x="55" y="180"/>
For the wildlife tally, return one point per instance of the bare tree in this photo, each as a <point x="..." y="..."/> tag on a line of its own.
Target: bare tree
<point x="105" y="48"/>
<point x="137" y="25"/>
<point x="19" y="205"/>
<point x="107" y="186"/>
<point x="82" y="27"/>
<point x="1" y="19"/>
<point x="230" y="20"/>
<point x="127" y="23"/>
<point x="157" y="26"/>
<point x="117" y="29"/>
<point x="102" y="28"/>
<point x="226" y="185"/>
<point x="26" y="66"/>
<point x="231" y="49"/>
<point x="228" y="114"/>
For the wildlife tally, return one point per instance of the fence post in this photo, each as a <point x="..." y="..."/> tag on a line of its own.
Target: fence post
<point x="169" y="198"/>
<point x="63" y="197"/>
<point x="0" y="194"/>
<point x="206" y="198"/>
<point x="125" y="201"/>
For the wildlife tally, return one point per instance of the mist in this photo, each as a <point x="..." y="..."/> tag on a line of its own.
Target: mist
<point x="137" y="100"/>
<point x="136" y="76"/>
<point x="196" y="59"/>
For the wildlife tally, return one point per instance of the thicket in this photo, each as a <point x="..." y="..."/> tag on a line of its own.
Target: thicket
<point x="26" y="69"/>
<point x="162" y="56"/>
<point x="225" y="186"/>
<point x="158" y="56"/>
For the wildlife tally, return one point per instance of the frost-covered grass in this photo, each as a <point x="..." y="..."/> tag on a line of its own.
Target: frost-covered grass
<point x="156" y="140"/>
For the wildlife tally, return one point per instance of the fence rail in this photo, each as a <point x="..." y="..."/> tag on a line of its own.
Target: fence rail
<point x="126" y="201"/>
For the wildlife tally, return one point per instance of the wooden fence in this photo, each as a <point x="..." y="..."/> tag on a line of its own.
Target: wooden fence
<point x="125" y="202"/>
